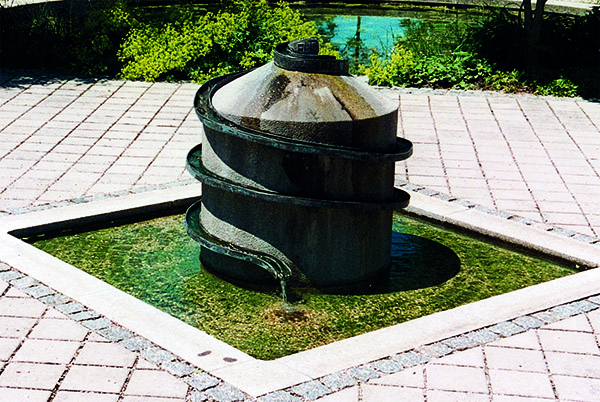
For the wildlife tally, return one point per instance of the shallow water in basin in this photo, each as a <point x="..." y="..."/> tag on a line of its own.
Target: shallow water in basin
<point x="434" y="269"/>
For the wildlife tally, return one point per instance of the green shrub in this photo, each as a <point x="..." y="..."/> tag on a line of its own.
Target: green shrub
<point x="239" y="37"/>
<point x="559" y="87"/>
<point x="402" y="68"/>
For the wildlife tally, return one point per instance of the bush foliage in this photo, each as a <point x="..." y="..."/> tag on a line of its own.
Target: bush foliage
<point x="491" y="55"/>
<point x="108" y="37"/>
<point x="240" y="36"/>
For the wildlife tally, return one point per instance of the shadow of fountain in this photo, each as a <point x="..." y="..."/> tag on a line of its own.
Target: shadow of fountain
<point x="417" y="263"/>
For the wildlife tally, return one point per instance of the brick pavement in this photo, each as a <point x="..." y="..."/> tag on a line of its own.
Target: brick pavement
<point x="65" y="140"/>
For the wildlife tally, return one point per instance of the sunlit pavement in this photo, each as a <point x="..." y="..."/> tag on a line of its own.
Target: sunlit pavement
<point x="65" y="141"/>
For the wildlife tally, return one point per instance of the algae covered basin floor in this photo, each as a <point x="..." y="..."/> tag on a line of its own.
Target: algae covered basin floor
<point x="433" y="269"/>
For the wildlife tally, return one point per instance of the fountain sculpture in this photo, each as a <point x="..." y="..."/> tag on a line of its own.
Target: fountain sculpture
<point x="297" y="169"/>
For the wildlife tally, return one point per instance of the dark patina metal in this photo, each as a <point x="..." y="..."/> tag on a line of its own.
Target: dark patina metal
<point x="290" y="196"/>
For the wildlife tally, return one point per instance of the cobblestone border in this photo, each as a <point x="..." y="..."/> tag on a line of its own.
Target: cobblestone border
<point x="207" y="387"/>
<point x="210" y="388"/>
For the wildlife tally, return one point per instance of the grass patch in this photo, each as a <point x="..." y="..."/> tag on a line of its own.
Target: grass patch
<point x="434" y="269"/>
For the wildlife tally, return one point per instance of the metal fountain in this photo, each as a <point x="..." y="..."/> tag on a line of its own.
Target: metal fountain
<point x="297" y="169"/>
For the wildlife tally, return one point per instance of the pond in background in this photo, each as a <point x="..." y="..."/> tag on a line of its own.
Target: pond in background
<point x="357" y="32"/>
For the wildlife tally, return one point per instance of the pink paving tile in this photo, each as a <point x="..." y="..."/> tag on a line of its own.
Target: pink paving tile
<point x="52" y="313"/>
<point x="31" y="375"/>
<point x="107" y="354"/>
<point x="468" y="358"/>
<point x="46" y="351"/>
<point x="578" y="365"/>
<point x="525" y="340"/>
<point x="577" y="389"/>
<point x="515" y="359"/>
<point x="412" y="377"/>
<point x="383" y="393"/>
<point x="60" y="329"/>
<point x="22" y="395"/>
<point x="450" y="396"/>
<point x="92" y="378"/>
<point x="577" y="323"/>
<point x="21" y="307"/>
<point x="512" y="398"/>
<point x="566" y="341"/>
<point x="15" y="327"/>
<point x="345" y="395"/>
<point x="155" y="383"/>
<point x="505" y="382"/>
<point x="74" y="396"/>
<point x="594" y="318"/>
<point x="8" y="346"/>
<point x="14" y="292"/>
<point x="454" y="378"/>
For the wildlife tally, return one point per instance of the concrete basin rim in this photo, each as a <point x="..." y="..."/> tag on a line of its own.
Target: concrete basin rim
<point x="388" y="341"/>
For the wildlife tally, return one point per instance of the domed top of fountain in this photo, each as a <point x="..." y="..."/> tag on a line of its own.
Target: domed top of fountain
<point x="308" y="97"/>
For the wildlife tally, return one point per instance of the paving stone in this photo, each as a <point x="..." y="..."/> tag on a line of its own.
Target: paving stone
<point x="52" y="328"/>
<point x="583" y="306"/>
<point x="198" y="397"/>
<point x="363" y="373"/>
<point x="435" y="350"/>
<point x="95" y="378"/>
<point x="201" y="381"/>
<point x="97" y="324"/>
<point x="528" y="322"/>
<point x="157" y="355"/>
<point x="454" y="378"/>
<point x="70" y="308"/>
<point x="547" y="316"/>
<point x="226" y="393"/>
<point x="578" y="389"/>
<point x="506" y="328"/>
<point x="136" y="343"/>
<point x="20" y="394"/>
<point x="520" y="383"/>
<point x="483" y="336"/>
<point x="564" y="311"/>
<point x="3" y="286"/>
<point x="114" y="333"/>
<point x="337" y="381"/>
<point x="310" y="390"/>
<point x="55" y="299"/>
<point x="460" y="342"/>
<point x="10" y="275"/>
<point x="409" y="359"/>
<point x="105" y="354"/>
<point x="515" y="359"/>
<point x="568" y="341"/>
<point x="178" y="368"/>
<point x="7" y="347"/>
<point x="80" y="396"/>
<point x="21" y="307"/>
<point x="39" y="291"/>
<point x="4" y="267"/>
<point x="387" y="366"/>
<point x="84" y="315"/>
<point x="31" y="375"/>
<point x="46" y="351"/>
<point x="595" y="299"/>
<point x="279" y="396"/>
<point x="24" y="282"/>
<point x="155" y="383"/>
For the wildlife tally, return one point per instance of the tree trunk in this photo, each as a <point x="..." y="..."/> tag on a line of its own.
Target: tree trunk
<point x="533" y="25"/>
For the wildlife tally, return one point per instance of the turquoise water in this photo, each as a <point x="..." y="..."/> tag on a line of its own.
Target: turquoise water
<point x="376" y="32"/>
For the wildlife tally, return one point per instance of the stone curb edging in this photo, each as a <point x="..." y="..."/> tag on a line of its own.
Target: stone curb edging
<point x="207" y="387"/>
